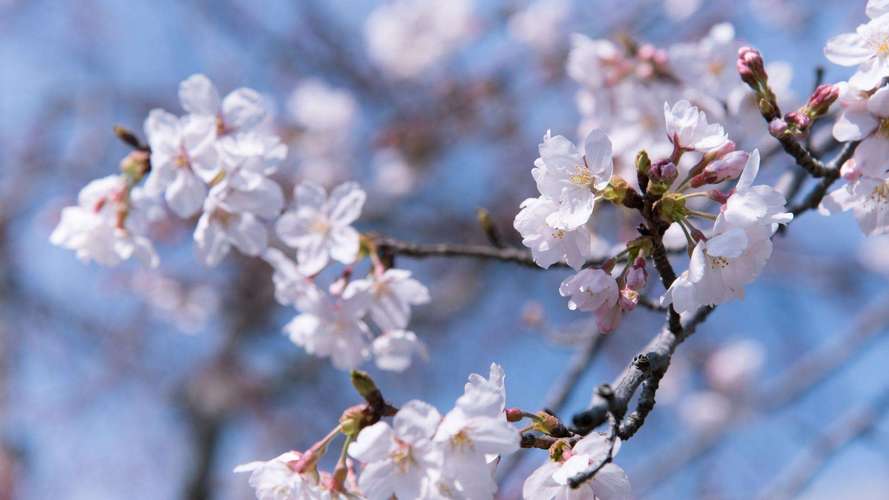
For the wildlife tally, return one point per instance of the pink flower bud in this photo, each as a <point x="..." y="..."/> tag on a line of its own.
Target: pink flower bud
<point x="777" y="127"/>
<point x="821" y="100"/>
<point x="798" y="120"/>
<point x="751" y="67"/>
<point x="717" y="196"/>
<point x="663" y="171"/>
<point x="514" y="414"/>
<point x="637" y="276"/>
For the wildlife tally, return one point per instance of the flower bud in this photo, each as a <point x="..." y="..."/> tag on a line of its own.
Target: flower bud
<point x="663" y="171"/>
<point x="366" y="387"/>
<point x="548" y="423"/>
<point x="751" y="67"/>
<point x="717" y="196"/>
<point x="726" y="148"/>
<point x="514" y="414"/>
<point x="354" y="419"/>
<point x="728" y="167"/>
<point x="778" y="128"/>
<point x="643" y="163"/>
<point x="135" y="165"/>
<point x="637" y="276"/>
<point x="628" y="299"/>
<point x="560" y="451"/>
<point x="821" y="100"/>
<point x="797" y="122"/>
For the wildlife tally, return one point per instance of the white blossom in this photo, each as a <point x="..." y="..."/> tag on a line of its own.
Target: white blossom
<point x="709" y="64"/>
<point x="571" y="177"/>
<point x="394" y="350"/>
<point x="867" y="48"/>
<point x="275" y="480"/>
<point x="401" y="459"/>
<point x="867" y="198"/>
<point x="183" y="158"/>
<point x="392" y="293"/>
<point x="319" y="227"/>
<point x="407" y="37"/>
<point x="240" y="111"/>
<point x="550" y="480"/>
<point x="106" y="225"/>
<point x="688" y="129"/>
<point x="755" y="205"/>
<point x="332" y="326"/>
<point x="865" y="119"/>
<point x="550" y="245"/>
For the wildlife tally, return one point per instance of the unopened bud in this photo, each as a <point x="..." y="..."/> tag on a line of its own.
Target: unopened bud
<point x="728" y="167"/>
<point x="514" y="414"/>
<point x="616" y="190"/>
<point x="778" y="128"/>
<point x="717" y="196"/>
<point x="797" y="122"/>
<point x="643" y="163"/>
<point x="547" y="423"/>
<point x="751" y="67"/>
<point x="821" y="100"/>
<point x="637" y="276"/>
<point x="366" y="387"/>
<point x="353" y="420"/>
<point x="628" y="299"/>
<point x="661" y="174"/>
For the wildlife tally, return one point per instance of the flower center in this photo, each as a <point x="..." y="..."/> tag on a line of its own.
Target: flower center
<point x="718" y="262"/>
<point x="559" y="234"/>
<point x="462" y="441"/>
<point x="716" y="68"/>
<point x="581" y="176"/>
<point x="320" y="225"/>
<point x="880" y="194"/>
<point x="402" y="457"/>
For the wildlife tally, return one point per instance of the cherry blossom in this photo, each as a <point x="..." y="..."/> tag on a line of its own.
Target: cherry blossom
<point x="472" y="432"/>
<point x="395" y="349"/>
<point x="867" y="48"/>
<point x="709" y="64"/>
<point x="232" y="217"/>
<point x="183" y="158"/>
<point x="106" y="225"/>
<point x="401" y="459"/>
<point x="755" y="205"/>
<point x="865" y="119"/>
<point x="720" y="267"/>
<point x="550" y="245"/>
<point x="688" y="129"/>
<point x="319" y="227"/>
<point x="275" y="480"/>
<point x="550" y="480"/>
<point x="240" y="111"/>
<point x="538" y="25"/>
<point x="332" y="326"/>
<point x="408" y="37"/>
<point x="571" y="177"/>
<point x="867" y="197"/>
<point x="392" y="293"/>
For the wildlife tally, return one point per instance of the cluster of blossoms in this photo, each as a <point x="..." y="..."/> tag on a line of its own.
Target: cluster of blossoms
<point x="864" y="100"/>
<point x="555" y="226"/>
<point x="408" y="37"/>
<point x="215" y="162"/>
<point x="424" y="455"/>
<point x="624" y="86"/>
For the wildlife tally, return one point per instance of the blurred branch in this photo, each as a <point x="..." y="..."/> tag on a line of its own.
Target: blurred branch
<point x="801" y="471"/>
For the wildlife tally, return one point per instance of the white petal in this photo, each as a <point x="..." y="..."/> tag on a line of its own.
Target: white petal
<point x="198" y="95"/>
<point x="416" y="421"/>
<point x="847" y="49"/>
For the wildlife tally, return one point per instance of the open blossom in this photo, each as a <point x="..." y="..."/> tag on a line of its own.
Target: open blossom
<point x="392" y="294"/>
<point x="401" y="459"/>
<point x="332" y="326"/>
<point x="106" y="224"/>
<point x="866" y="196"/>
<point x="596" y="63"/>
<point x="183" y="159"/>
<point x="247" y="159"/>
<point x="472" y="432"/>
<point x="867" y="48"/>
<point x="291" y="286"/>
<point x="687" y="128"/>
<point x="550" y="245"/>
<point x="720" y="267"/>
<point x="755" y="205"/>
<point x="407" y="37"/>
<point x="865" y="119"/>
<point x="240" y="111"/>
<point x="394" y="350"/>
<point x="571" y="177"/>
<point x="275" y="480"/>
<point x="232" y="217"/>
<point x="550" y="480"/>
<point x="319" y="227"/>
<point x="708" y="65"/>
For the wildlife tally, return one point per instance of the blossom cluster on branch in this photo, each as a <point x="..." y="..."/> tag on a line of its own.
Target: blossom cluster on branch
<point x="668" y="144"/>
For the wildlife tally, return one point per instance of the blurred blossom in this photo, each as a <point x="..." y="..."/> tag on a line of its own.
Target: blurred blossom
<point x="318" y="107"/>
<point x="393" y="175"/>
<point x="733" y="367"/>
<point x="189" y="308"/>
<point x="705" y="410"/>
<point x="679" y="10"/>
<point x="408" y="37"/>
<point x="540" y="24"/>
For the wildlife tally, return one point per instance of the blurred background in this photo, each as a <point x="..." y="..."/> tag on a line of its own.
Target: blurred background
<point x="151" y="384"/>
